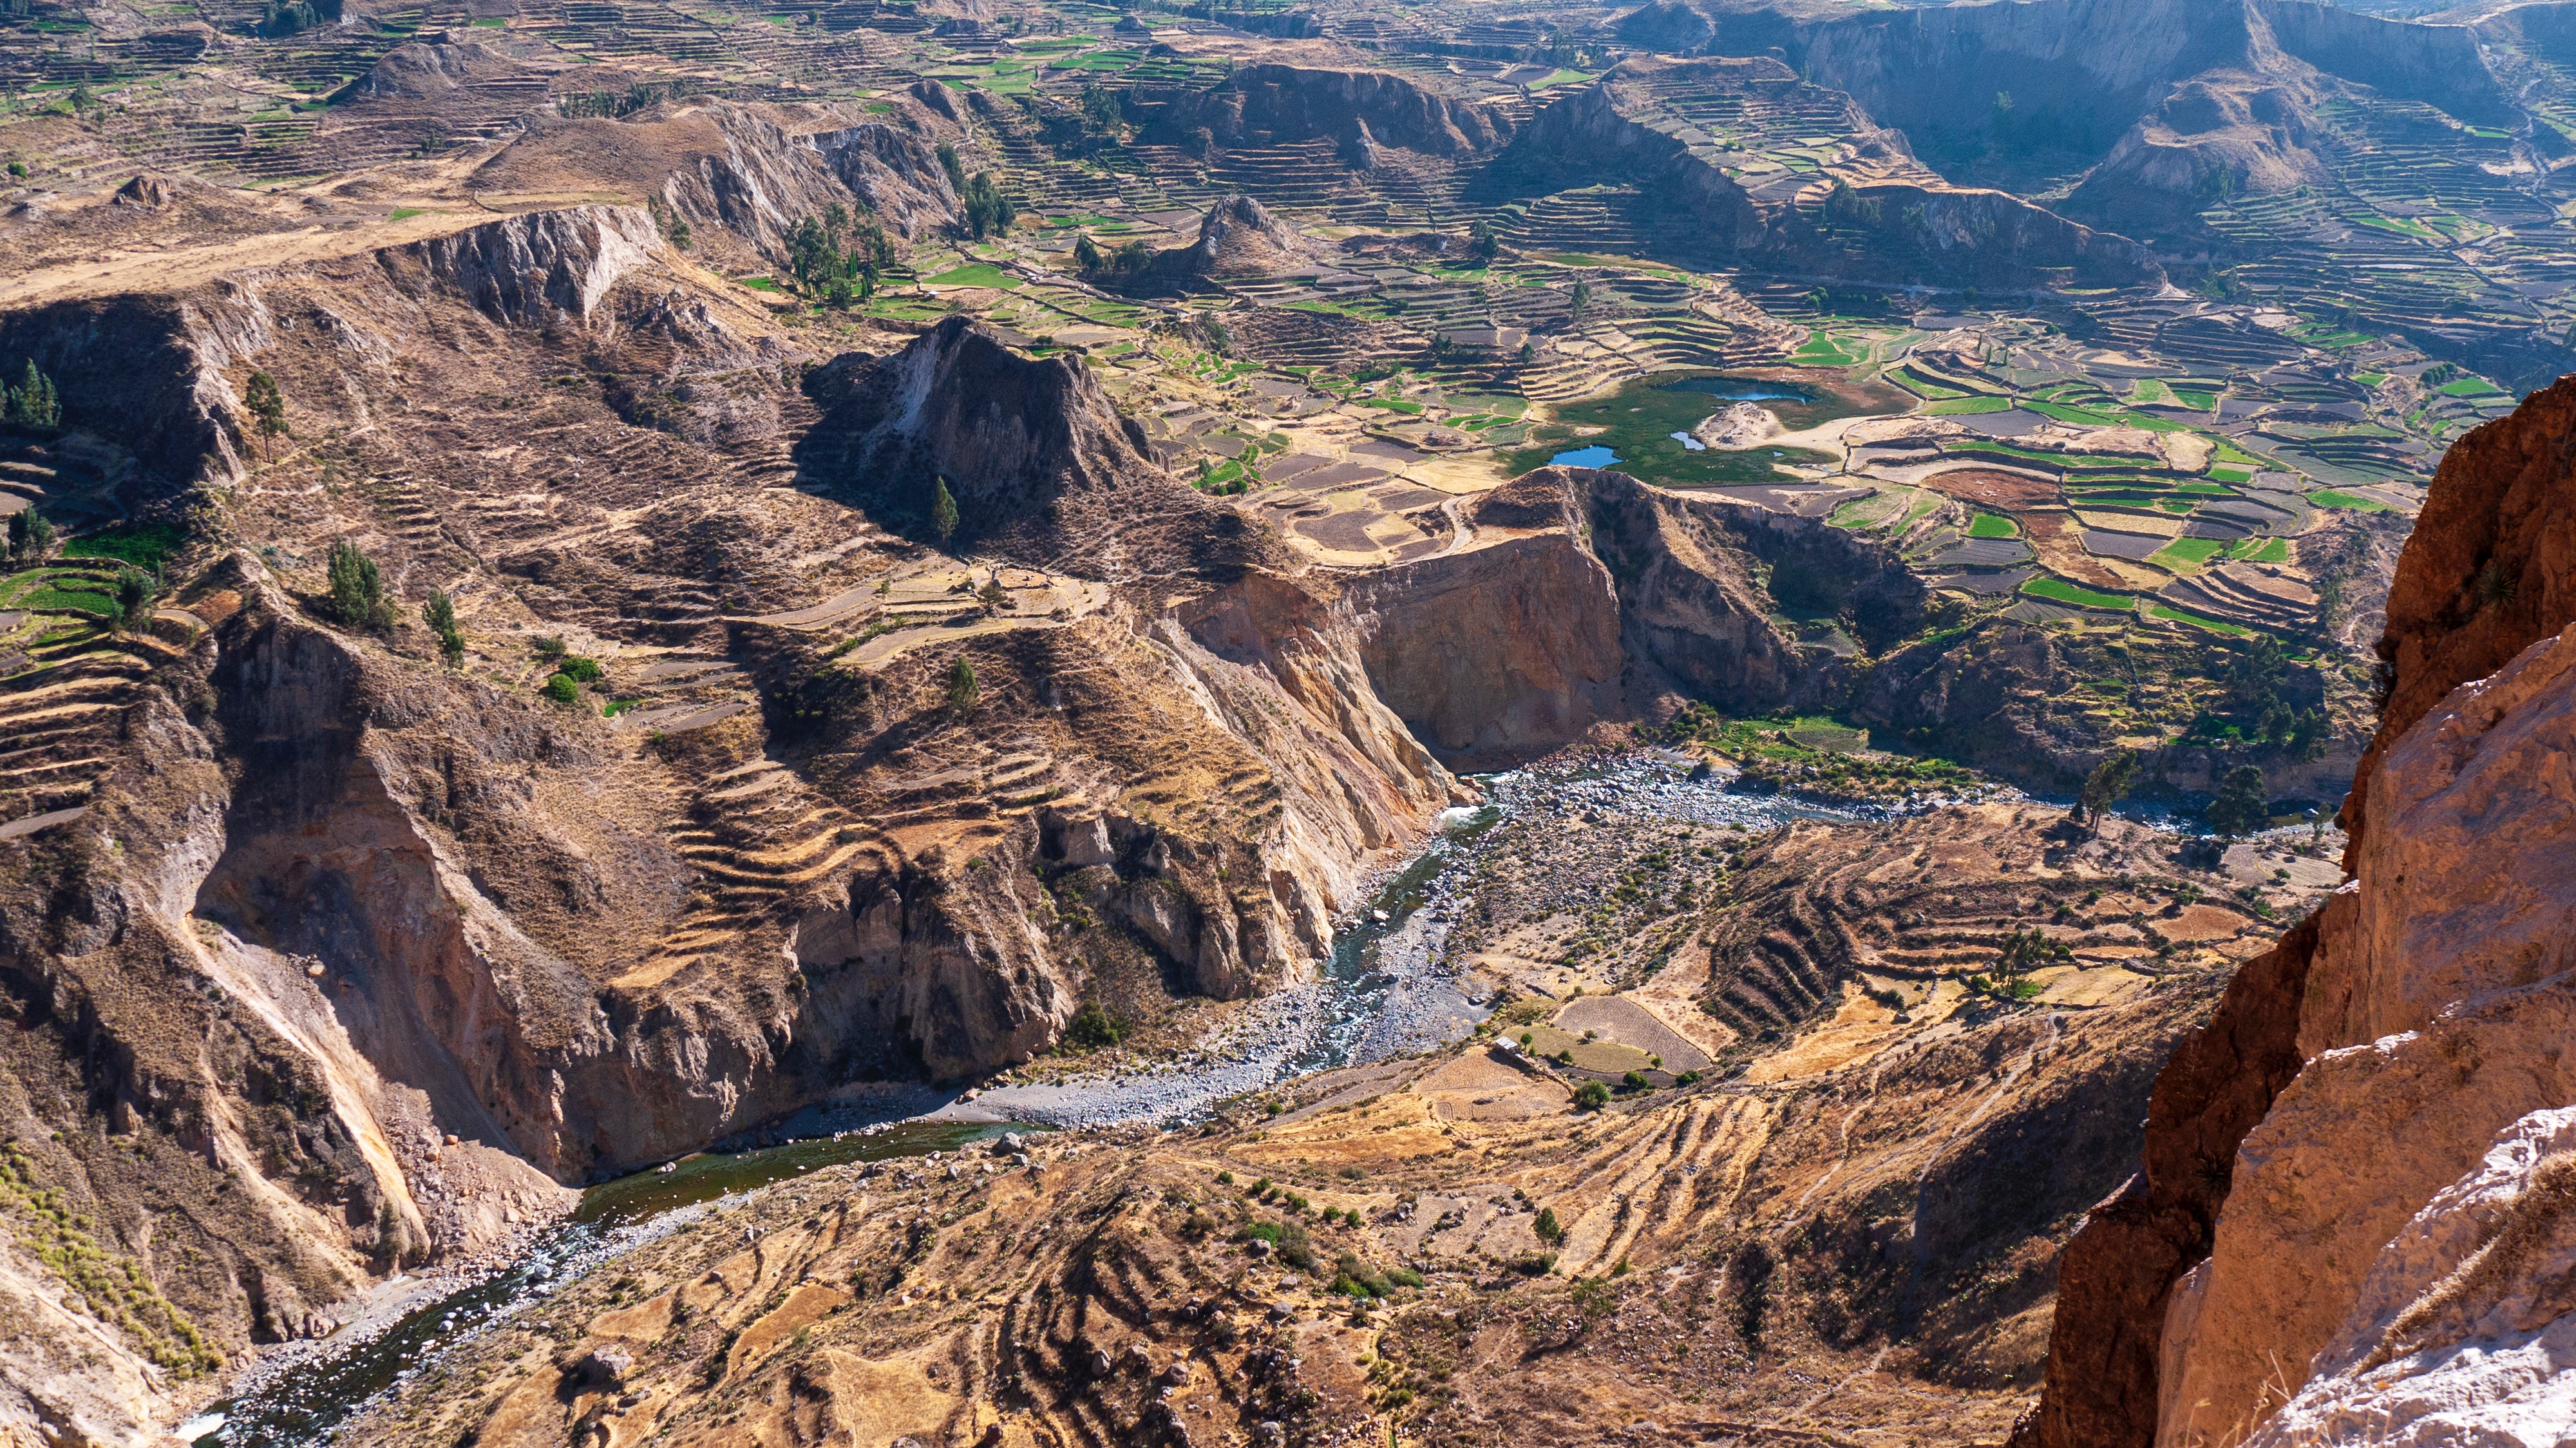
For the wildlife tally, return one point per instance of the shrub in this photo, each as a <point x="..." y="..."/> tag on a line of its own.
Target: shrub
<point x="580" y="670"/>
<point x="546" y="646"/>
<point x="1591" y="1096"/>
<point x="1288" y="1238"/>
<point x="1634" y="1081"/>
<point x="1092" y="1028"/>
<point x="1547" y="1228"/>
<point x="1225" y="1179"/>
<point x="962" y="688"/>
<point x="1534" y="1264"/>
<point x="562" y="690"/>
<point x="1687" y="1078"/>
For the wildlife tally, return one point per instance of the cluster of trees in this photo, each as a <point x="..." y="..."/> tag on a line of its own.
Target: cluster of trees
<point x="288" y="17"/>
<point x="617" y="105"/>
<point x="1846" y="207"/>
<point x="1133" y="257"/>
<point x="2251" y="708"/>
<point x="33" y="402"/>
<point x="1088" y="128"/>
<point x="839" y="257"/>
<point x="357" y="597"/>
<point x="988" y="211"/>
<point x="31" y="538"/>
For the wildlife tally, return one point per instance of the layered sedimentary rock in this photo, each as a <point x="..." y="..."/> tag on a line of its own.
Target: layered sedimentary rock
<point x="2162" y="104"/>
<point x="1274" y="105"/>
<point x="2373" y="1115"/>
<point x="355" y="954"/>
<point x="1696" y="203"/>
<point x="1505" y="652"/>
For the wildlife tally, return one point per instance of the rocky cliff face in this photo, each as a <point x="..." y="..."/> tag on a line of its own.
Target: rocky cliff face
<point x="1590" y="597"/>
<point x="1041" y="466"/>
<point x="745" y="176"/>
<point x="2155" y="98"/>
<point x="1701" y="579"/>
<point x="334" y="902"/>
<point x="1508" y="651"/>
<point x="1237" y="237"/>
<point x="2348" y="1226"/>
<point x="1278" y="105"/>
<point x="1915" y="223"/>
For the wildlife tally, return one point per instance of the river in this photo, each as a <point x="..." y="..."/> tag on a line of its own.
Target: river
<point x="1385" y="992"/>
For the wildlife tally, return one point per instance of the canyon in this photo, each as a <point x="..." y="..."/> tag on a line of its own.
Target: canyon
<point x="1283" y="728"/>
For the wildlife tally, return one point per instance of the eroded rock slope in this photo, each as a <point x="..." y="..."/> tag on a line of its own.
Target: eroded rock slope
<point x="2347" y="1228"/>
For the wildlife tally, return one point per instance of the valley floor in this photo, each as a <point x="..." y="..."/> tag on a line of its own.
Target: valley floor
<point x="1831" y="1216"/>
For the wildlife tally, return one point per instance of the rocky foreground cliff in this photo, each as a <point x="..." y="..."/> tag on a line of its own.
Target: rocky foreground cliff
<point x="2351" y="1226"/>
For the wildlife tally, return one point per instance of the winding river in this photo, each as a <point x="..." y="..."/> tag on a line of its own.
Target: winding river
<point x="1385" y="992"/>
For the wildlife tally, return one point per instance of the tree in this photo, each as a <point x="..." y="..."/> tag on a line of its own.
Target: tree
<point x="1547" y="1227"/>
<point x="1484" y="243"/>
<point x="33" y="402"/>
<point x="943" y="512"/>
<point x="2026" y="950"/>
<point x="2242" y="806"/>
<point x="956" y="169"/>
<point x="134" y="593"/>
<point x="988" y="211"/>
<point x="1591" y="1096"/>
<point x="2308" y="736"/>
<point x="267" y="408"/>
<point x="357" y="592"/>
<point x="962" y="688"/>
<point x="31" y="537"/>
<point x="440" y="614"/>
<point x="1100" y="109"/>
<point x="1582" y="297"/>
<point x="2107" y="785"/>
<point x="1086" y="253"/>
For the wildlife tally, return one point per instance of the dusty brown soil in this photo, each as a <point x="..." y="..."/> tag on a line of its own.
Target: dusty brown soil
<point x="1994" y="488"/>
<point x="1853" y="1241"/>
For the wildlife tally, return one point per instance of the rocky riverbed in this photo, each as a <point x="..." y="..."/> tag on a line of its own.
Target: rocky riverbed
<point x="1392" y="988"/>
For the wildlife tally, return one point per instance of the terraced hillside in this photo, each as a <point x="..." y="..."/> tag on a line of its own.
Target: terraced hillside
<point x="1847" y="1233"/>
<point x="586" y="581"/>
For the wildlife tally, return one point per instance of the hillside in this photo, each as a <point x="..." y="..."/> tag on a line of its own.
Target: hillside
<point x="2352" y="1171"/>
<point x="1662" y="654"/>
